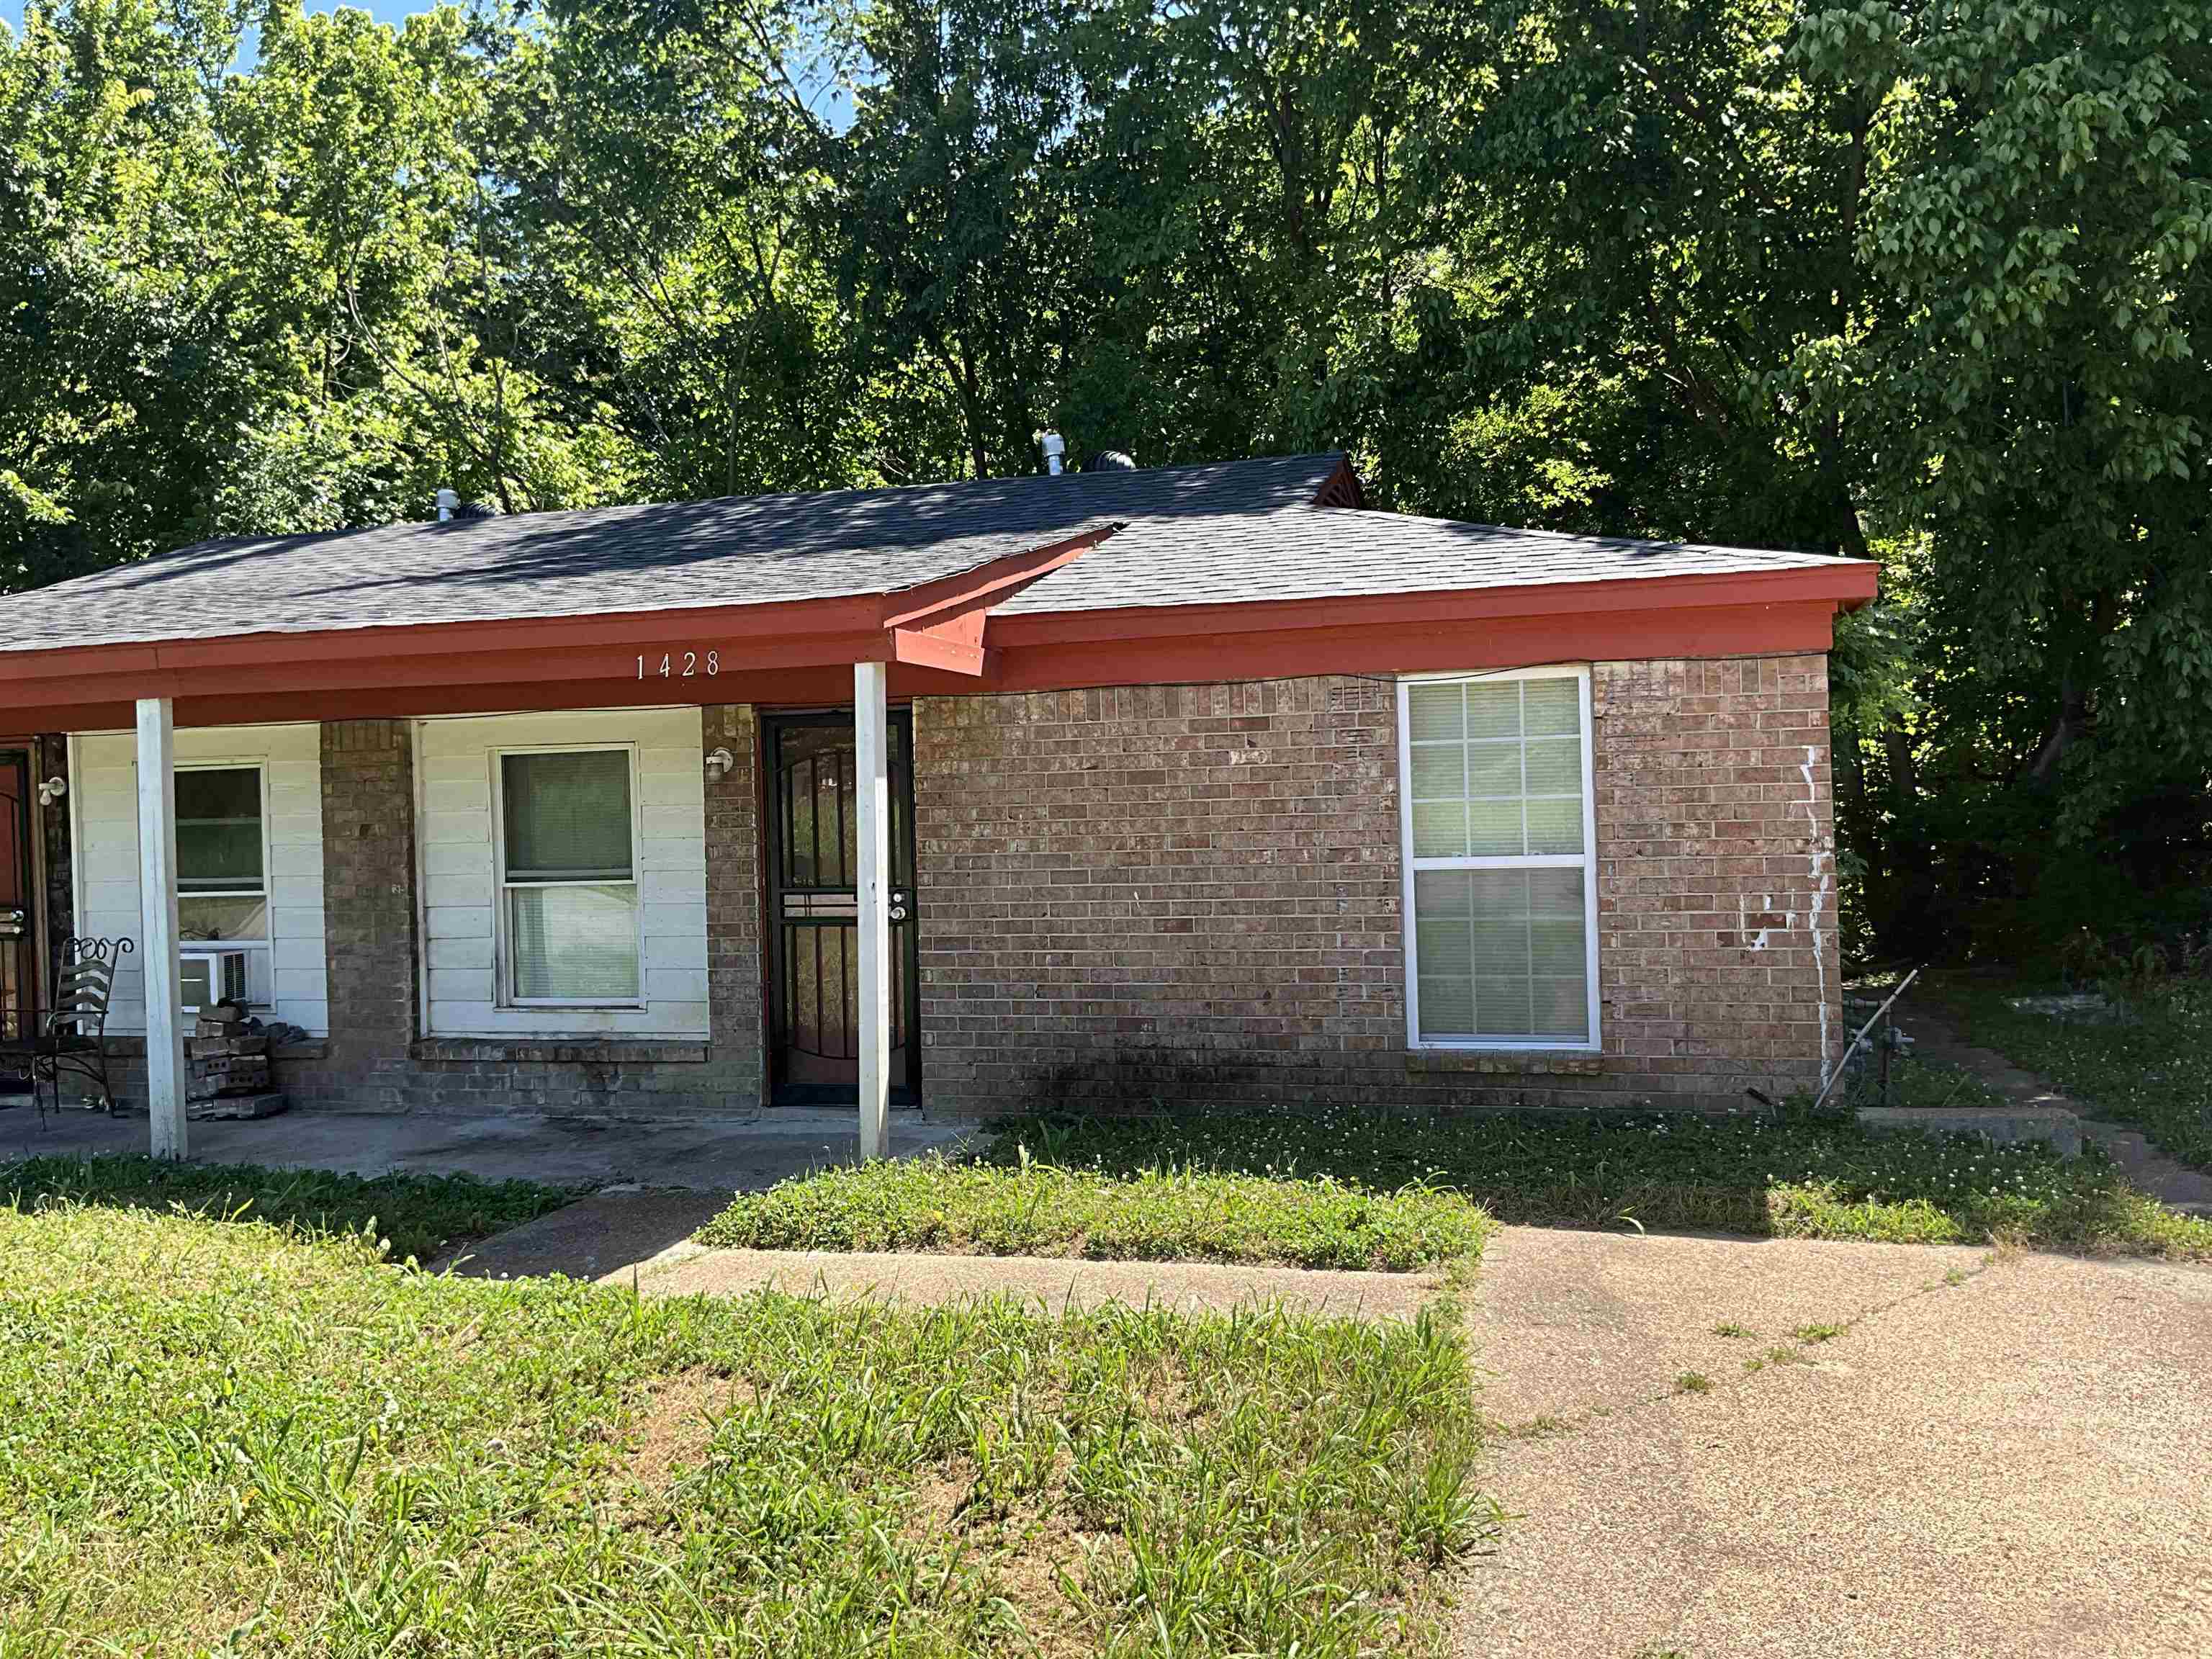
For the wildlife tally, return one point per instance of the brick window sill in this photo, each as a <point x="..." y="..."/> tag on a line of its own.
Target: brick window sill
<point x="1509" y="1062"/>
<point x="133" y="1047"/>
<point x="555" y="1051"/>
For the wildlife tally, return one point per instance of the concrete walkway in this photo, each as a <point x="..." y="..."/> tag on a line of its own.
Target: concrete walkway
<point x="1934" y="1031"/>
<point x="1053" y="1284"/>
<point x="643" y="1238"/>
<point x="1994" y="1457"/>
<point x="722" y="1155"/>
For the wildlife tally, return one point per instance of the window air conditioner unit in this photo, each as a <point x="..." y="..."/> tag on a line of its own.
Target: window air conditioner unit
<point x="207" y="977"/>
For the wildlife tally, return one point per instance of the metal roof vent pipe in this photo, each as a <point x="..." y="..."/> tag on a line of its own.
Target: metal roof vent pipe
<point x="448" y="500"/>
<point x="1055" y="449"/>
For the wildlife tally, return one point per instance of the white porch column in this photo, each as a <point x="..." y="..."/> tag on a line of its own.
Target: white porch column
<point x="872" y="784"/>
<point x="157" y="910"/>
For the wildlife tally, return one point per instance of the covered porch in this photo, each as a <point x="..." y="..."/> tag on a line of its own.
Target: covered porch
<point x="850" y="650"/>
<point x="879" y="1037"/>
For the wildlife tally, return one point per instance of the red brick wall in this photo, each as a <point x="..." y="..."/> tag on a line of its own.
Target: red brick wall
<point x="1718" y="943"/>
<point x="1176" y="894"/>
<point x="1161" y="894"/>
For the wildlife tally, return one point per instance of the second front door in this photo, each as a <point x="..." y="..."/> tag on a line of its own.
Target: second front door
<point x="812" y="848"/>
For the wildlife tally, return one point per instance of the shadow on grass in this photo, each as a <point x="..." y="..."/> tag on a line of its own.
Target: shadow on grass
<point x="1790" y="1175"/>
<point x="420" y="1215"/>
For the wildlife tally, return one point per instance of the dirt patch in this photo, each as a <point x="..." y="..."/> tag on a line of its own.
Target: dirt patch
<point x="1043" y="1563"/>
<point x="675" y="1426"/>
<point x="939" y="1502"/>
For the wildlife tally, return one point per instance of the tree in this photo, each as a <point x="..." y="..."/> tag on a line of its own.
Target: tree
<point x="2035" y="419"/>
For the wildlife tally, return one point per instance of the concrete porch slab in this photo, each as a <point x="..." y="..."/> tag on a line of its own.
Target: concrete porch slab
<point x="720" y="1155"/>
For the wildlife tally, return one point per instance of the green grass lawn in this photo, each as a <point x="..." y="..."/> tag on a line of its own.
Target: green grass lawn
<point x="1353" y="1189"/>
<point x="2152" y="1069"/>
<point x="247" y="1438"/>
<point x="416" y="1215"/>
<point x="1161" y="1209"/>
<point x="1794" y="1177"/>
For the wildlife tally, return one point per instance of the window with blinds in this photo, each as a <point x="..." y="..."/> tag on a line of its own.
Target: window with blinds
<point x="1500" y="868"/>
<point x="568" y="878"/>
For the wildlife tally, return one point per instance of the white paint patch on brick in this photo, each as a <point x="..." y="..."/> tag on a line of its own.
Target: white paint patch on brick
<point x="1823" y="877"/>
<point x="1754" y="917"/>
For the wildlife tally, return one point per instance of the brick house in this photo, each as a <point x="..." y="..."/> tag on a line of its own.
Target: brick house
<point x="1095" y="791"/>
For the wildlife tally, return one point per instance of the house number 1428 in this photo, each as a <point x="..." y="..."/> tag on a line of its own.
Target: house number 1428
<point x="684" y="666"/>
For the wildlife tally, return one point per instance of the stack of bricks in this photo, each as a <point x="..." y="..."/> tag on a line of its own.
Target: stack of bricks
<point x="229" y="1068"/>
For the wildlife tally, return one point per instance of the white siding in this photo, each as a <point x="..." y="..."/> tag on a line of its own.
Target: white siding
<point x="104" y="805"/>
<point x="457" y="872"/>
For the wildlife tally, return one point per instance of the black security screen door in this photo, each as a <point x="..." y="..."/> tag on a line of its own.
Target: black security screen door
<point x="814" y="946"/>
<point x="18" y="931"/>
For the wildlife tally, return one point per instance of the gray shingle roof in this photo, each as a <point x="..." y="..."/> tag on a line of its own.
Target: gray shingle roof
<point x="1241" y="530"/>
<point x="1305" y="552"/>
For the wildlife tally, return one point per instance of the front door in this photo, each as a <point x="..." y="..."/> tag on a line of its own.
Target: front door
<point x="19" y="931"/>
<point x="813" y="853"/>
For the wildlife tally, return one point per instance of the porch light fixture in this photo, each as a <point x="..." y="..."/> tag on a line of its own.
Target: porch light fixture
<point x="720" y="765"/>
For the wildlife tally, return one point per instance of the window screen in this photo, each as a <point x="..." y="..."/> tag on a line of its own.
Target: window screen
<point x="219" y="830"/>
<point x="222" y="878"/>
<point x="568" y="815"/>
<point x="571" y="900"/>
<point x="1501" y="888"/>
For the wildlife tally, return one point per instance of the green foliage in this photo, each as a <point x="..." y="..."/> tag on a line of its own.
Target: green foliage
<point x="416" y="1216"/>
<point x="2034" y="423"/>
<point x="2150" y="1066"/>
<point x="1018" y="1204"/>
<point x="234" y="1438"/>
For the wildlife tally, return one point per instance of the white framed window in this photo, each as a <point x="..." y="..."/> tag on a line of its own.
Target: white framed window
<point x="569" y="917"/>
<point x="223" y="884"/>
<point x="1500" y="853"/>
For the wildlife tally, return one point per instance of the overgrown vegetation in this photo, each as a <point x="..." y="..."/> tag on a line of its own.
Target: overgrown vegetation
<point x="2147" y="1061"/>
<point x="1792" y="1176"/>
<point x="1011" y="1204"/>
<point x="243" y="1438"/>
<point x="413" y="1215"/>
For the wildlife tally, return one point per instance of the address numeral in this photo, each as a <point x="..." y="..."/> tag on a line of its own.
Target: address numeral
<point x="691" y="665"/>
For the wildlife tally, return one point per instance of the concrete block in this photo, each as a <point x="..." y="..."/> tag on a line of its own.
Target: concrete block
<point x="2005" y="1125"/>
<point x="236" y="1106"/>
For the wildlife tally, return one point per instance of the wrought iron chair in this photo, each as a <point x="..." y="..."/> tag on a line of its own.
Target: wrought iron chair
<point x="75" y="1035"/>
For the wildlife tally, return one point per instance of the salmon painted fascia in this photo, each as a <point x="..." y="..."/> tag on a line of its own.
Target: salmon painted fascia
<point x="941" y="638"/>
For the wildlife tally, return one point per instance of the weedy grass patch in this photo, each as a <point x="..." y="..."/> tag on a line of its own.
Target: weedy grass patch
<point x="254" y="1438"/>
<point x="415" y="1215"/>
<point x="1790" y="1175"/>
<point x="1007" y="1201"/>
<point x="2151" y="1068"/>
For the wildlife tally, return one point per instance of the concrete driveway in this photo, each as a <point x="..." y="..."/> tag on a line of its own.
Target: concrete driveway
<point x="1992" y="1456"/>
